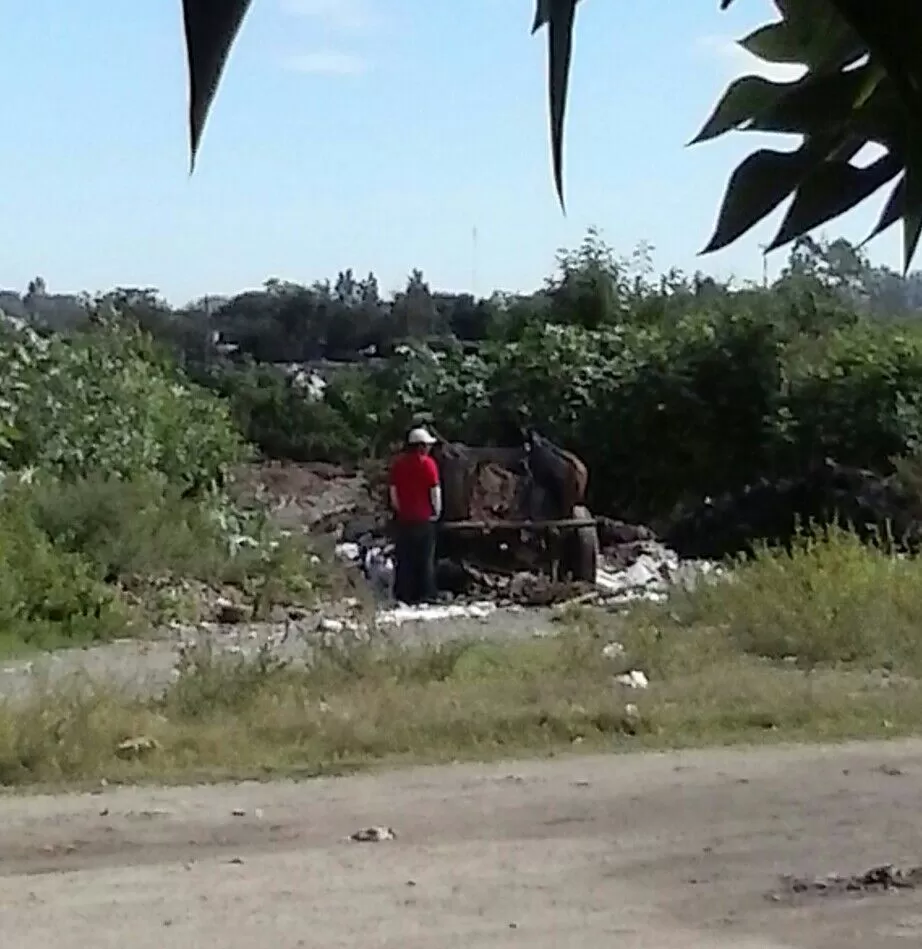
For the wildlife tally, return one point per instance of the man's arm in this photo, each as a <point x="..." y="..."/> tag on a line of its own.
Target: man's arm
<point x="392" y="495"/>
<point x="435" y="489"/>
<point x="435" y="499"/>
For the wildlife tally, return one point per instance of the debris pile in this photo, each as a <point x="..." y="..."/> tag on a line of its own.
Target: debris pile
<point x="327" y="501"/>
<point x="880" y="509"/>
<point x="646" y="571"/>
<point x="882" y="879"/>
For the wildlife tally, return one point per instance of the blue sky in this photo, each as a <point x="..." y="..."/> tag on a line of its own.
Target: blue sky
<point x="372" y="134"/>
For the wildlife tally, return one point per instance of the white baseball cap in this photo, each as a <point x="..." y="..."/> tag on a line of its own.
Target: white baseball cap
<point x="419" y="436"/>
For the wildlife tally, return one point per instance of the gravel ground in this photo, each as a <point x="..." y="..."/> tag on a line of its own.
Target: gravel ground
<point x="146" y="666"/>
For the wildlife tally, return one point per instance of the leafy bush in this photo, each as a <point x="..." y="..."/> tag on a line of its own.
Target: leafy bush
<point x="283" y="421"/>
<point x="100" y="402"/>
<point x="49" y="595"/>
<point x="664" y="412"/>
<point x="859" y="398"/>
<point x="92" y="557"/>
<point x="142" y="527"/>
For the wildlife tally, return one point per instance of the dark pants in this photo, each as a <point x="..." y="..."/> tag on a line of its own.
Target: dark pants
<point x="414" y="579"/>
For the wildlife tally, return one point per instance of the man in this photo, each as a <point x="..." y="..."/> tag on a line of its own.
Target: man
<point x="416" y="499"/>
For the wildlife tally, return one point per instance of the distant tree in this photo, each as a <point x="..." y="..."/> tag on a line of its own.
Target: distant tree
<point x="37" y="287"/>
<point x="414" y="311"/>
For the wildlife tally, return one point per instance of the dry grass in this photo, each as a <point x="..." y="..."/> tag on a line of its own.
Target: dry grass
<point x="821" y="644"/>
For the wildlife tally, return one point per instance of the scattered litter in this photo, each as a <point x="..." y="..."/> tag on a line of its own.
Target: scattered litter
<point x="380" y="569"/>
<point x="229" y="613"/>
<point x="652" y="575"/>
<point x="373" y="835"/>
<point x="635" y="679"/>
<point x="613" y="651"/>
<point x="136" y="747"/>
<point x="348" y="551"/>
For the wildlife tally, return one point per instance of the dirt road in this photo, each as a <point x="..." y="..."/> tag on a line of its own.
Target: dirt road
<point x="659" y="851"/>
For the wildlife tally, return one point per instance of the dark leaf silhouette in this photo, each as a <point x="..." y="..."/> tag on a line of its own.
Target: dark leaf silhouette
<point x="827" y="44"/>
<point x="759" y="184"/>
<point x="559" y="16"/>
<point x="744" y="99"/>
<point x="912" y="209"/>
<point x="211" y="28"/>
<point x="892" y="212"/>
<point x="836" y="187"/>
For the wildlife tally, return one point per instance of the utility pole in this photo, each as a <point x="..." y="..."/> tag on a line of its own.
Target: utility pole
<point x="764" y="249"/>
<point x="474" y="261"/>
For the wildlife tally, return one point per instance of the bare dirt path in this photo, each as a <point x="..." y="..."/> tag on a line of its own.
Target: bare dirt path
<point x="659" y="851"/>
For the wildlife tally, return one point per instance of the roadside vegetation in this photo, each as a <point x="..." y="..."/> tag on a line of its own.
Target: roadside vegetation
<point x="112" y="519"/>
<point x="119" y="440"/>
<point x="819" y="643"/>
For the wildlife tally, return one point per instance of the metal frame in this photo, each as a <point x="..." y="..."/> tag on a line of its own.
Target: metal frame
<point x="487" y="527"/>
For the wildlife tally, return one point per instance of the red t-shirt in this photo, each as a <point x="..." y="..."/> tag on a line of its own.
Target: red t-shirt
<point x="413" y="475"/>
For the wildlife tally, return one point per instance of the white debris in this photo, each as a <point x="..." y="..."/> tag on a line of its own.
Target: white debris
<point x="379" y="569"/>
<point x="613" y="651"/>
<point x="328" y="625"/>
<point x="651" y="576"/>
<point x="427" y="613"/>
<point x="348" y="551"/>
<point x="635" y="679"/>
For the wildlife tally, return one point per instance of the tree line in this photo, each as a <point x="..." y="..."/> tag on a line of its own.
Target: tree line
<point x="348" y="319"/>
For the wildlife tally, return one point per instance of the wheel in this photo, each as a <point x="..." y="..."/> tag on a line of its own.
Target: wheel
<point x="582" y="549"/>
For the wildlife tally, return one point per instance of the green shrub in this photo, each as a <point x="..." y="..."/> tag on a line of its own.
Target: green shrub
<point x="129" y="527"/>
<point x="101" y="402"/>
<point x="858" y="398"/>
<point x="282" y="421"/>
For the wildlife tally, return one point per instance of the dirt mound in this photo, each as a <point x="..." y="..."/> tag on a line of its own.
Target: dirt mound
<point x="287" y="478"/>
<point x="316" y="497"/>
<point x="495" y="495"/>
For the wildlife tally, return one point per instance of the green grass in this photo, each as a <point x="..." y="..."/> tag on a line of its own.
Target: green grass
<point x="821" y="644"/>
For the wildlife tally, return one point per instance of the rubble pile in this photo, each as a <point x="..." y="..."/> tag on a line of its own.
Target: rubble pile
<point x="638" y="570"/>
